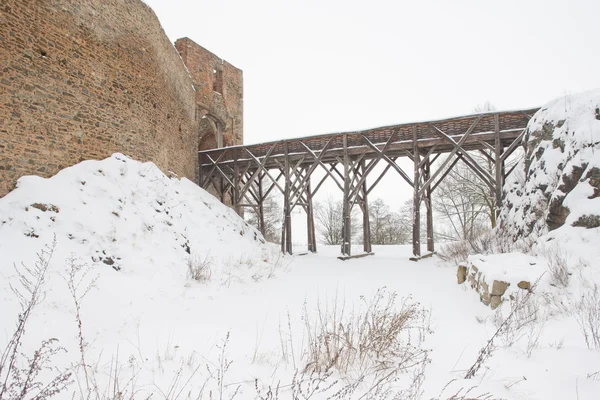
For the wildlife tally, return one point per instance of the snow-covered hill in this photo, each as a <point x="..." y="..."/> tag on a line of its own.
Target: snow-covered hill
<point x="133" y="233"/>
<point x="122" y="215"/>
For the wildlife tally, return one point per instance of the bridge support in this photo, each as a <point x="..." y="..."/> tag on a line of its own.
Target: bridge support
<point x="310" y="219"/>
<point x="240" y="175"/>
<point x="364" y="205"/>
<point x="416" y="237"/>
<point x="346" y="207"/>
<point x="428" y="206"/>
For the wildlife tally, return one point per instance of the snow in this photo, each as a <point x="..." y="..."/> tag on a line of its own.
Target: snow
<point x="124" y="212"/>
<point x="577" y="127"/>
<point x="509" y="267"/>
<point x="166" y="335"/>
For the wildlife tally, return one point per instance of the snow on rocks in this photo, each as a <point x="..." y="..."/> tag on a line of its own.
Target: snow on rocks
<point x="497" y="276"/>
<point x="559" y="184"/>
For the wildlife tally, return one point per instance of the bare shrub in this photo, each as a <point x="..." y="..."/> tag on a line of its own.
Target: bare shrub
<point x="378" y="341"/>
<point x="525" y="315"/>
<point x="308" y="385"/>
<point x="454" y="253"/>
<point x="79" y="286"/>
<point x="463" y="393"/>
<point x="19" y="374"/>
<point x="484" y="242"/>
<point x="220" y="372"/>
<point x="558" y="266"/>
<point x="587" y="313"/>
<point x="509" y="329"/>
<point x="270" y="393"/>
<point x="199" y="268"/>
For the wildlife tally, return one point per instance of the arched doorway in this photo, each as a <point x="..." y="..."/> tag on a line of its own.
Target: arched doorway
<point x="210" y="135"/>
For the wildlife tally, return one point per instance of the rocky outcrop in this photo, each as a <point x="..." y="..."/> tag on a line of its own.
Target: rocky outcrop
<point x="558" y="182"/>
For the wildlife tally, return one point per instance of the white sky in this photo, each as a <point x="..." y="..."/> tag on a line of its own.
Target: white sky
<point x="313" y="67"/>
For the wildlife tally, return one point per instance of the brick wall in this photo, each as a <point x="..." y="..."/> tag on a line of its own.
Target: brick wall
<point x="219" y="93"/>
<point x="81" y="79"/>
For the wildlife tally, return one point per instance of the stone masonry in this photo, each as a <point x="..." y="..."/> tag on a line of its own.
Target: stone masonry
<point x="219" y="95"/>
<point x="84" y="79"/>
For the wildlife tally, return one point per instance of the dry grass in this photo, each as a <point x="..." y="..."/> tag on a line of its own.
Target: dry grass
<point x="587" y="313"/>
<point x="199" y="268"/>
<point x="510" y="329"/>
<point x="379" y="340"/>
<point x="19" y="373"/>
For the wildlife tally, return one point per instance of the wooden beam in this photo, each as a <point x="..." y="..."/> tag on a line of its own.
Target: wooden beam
<point x="286" y="235"/>
<point x="310" y="220"/>
<point x="416" y="239"/>
<point x="389" y="161"/>
<point x="365" y="210"/>
<point x="346" y="210"/>
<point x="452" y="153"/>
<point x="513" y="146"/>
<point x="385" y="170"/>
<point x="264" y="169"/>
<point x="498" y="165"/>
<point x="466" y="156"/>
<point x="429" y="206"/>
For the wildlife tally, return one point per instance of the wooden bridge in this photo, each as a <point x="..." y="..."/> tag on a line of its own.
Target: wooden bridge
<point x="246" y="175"/>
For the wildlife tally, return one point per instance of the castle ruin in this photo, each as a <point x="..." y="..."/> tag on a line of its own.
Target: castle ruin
<point x="84" y="79"/>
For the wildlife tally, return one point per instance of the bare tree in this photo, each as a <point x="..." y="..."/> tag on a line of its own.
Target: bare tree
<point x="460" y="199"/>
<point x="329" y="219"/>
<point x="406" y="219"/>
<point x="484" y="107"/>
<point x="272" y="216"/>
<point x="388" y="227"/>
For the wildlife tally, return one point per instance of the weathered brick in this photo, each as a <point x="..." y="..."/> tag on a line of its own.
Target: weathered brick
<point x="78" y="85"/>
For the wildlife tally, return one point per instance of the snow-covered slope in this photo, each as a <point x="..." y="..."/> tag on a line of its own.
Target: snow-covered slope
<point x="127" y="233"/>
<point x="558" y="186"/>
<point x="122" y="215"/>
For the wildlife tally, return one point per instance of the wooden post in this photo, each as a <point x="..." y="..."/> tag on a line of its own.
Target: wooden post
<point x="286" y="243"/>
<point x="346" y="212"/>
<point x="416" y="198"/>
<point x="310" y="218"/>
<point x="365" y="209"/>
<point x="199" y="172"/>
<point x="221" y="190"/>
<point x="236" y="189"/>
<point x="428" y="204"/>
<point x="260" y="210"/>
<point x="498" y="165"/>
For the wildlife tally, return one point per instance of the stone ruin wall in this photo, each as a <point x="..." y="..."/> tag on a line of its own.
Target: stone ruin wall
<point x="82" y="79"/>
<point x="219" y="94"/>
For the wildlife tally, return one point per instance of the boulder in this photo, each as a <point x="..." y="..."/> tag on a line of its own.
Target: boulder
<point x="524" y="285"/>
<point x="461" y="274"/>
<point x="495" y="301"/>
<point x="499" y="288"/>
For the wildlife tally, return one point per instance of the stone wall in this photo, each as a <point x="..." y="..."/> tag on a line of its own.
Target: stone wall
<point x="491" y="291"/>
<point x="219" y="94"/>
<point x="82" y="79"/>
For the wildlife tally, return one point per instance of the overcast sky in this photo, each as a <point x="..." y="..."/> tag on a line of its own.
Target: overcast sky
<point x="319" y="66"/>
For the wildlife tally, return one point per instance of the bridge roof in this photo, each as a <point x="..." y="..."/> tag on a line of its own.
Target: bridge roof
<point x="397" y="138"/>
